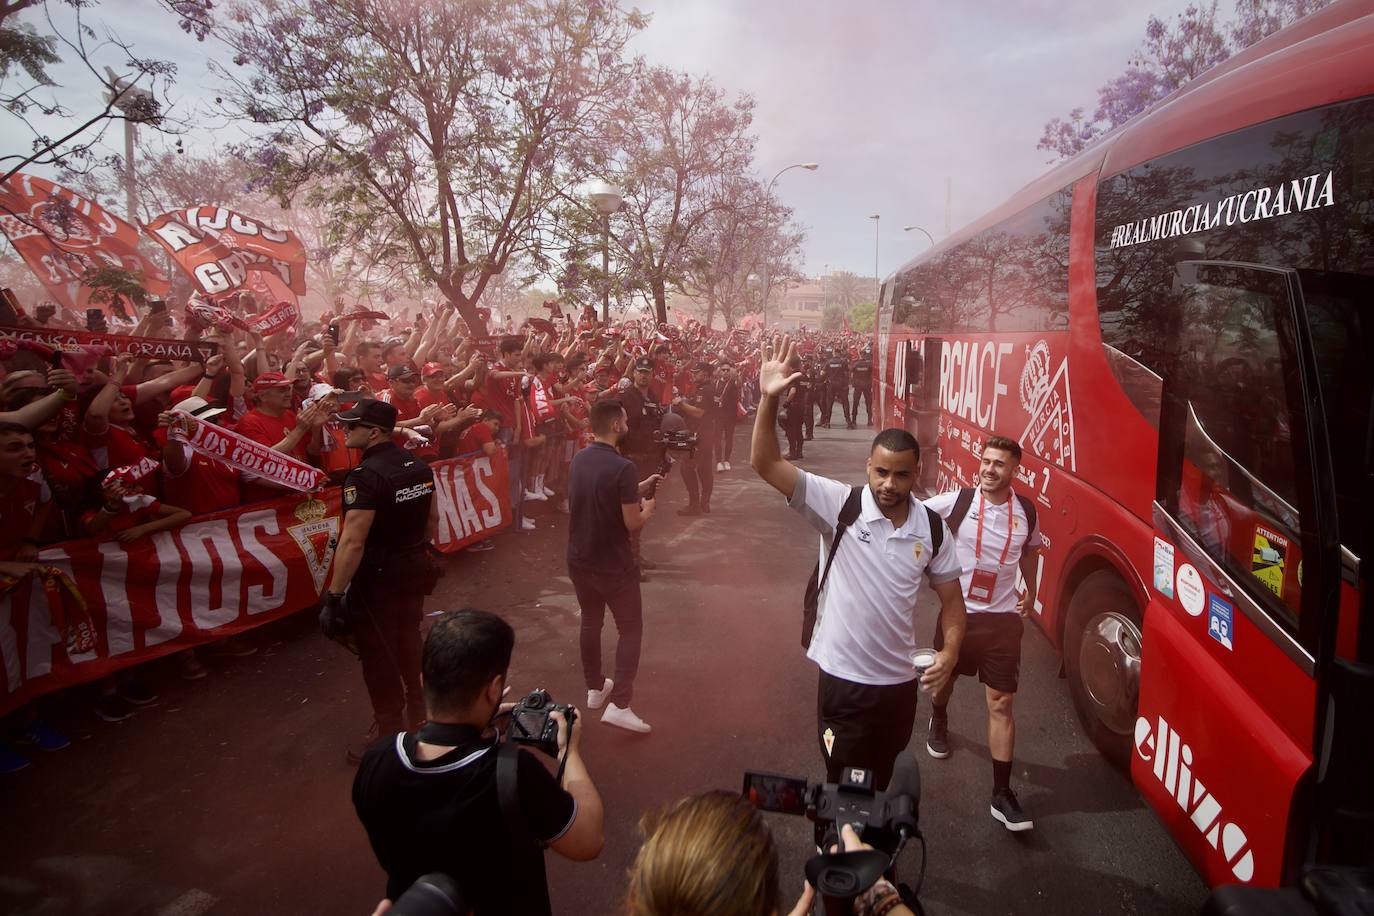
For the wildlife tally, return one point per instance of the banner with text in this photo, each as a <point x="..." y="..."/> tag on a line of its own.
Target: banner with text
<point x="213" y="577"/>
<point x="218" y="248"/>
<point x="61" y="235"/>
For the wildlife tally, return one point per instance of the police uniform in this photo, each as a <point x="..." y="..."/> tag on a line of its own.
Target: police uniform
<point x="385" y="598"/>
<point x="861" y="381"/>
<point x="836" y="385"/>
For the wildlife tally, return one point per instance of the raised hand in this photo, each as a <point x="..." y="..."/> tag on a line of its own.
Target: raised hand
<point x="778" y="370"/>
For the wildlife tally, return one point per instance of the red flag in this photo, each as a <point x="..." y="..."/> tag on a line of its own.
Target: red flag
<point x="218" y="248"/>
<point x="267" y="287"/>
<point x="61" y="235"/>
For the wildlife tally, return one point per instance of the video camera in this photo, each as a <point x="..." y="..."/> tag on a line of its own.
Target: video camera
<point x="884" y="820"/>
<point x="673" y="436"/>
<point x="530" y="721"/>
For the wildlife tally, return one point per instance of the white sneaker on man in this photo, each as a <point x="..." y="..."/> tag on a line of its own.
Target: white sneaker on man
<point x="720" y="466"/>
<point x="527" y="524"/>
<point x="727" y="466"/>
<point x="624" y="718"/>
<point x="597" y="698"/>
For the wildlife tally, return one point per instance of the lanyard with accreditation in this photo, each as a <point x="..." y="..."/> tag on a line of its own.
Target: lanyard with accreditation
<point x="984" y="581"/>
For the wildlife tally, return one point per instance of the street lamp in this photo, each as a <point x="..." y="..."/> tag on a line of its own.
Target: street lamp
<point x="877" y="279"/>
<point x="137" y="105"/>
<point x="767" y="196"/>
<point x="919" y="229"/>
<point x="606" y="198"/>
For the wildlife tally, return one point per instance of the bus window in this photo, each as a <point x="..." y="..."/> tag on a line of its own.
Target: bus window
<point x="1235" y="489"/>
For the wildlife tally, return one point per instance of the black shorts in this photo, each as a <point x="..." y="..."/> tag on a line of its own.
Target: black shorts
<point x="991" y="649"/>
<point x="868" y="726"/>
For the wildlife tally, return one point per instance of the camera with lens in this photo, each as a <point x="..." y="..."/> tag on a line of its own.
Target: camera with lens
<point x="531" y="721"/>
<point x="883" y="820"/>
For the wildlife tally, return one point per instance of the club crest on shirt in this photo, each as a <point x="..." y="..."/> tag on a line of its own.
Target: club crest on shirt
<point x="865" y="535"/>
<point x="350" y="495"/>
<point x="828" y="739"/>
<point x="917" y="550"/>
<point x="1017" y="524"/>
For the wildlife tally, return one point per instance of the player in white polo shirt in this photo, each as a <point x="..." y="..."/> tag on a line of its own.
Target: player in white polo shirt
<point x="865" y="630"/>
<point x="997" y="534"/>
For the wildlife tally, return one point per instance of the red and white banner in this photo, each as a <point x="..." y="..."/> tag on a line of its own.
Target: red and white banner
<point x="61" y="235"/>
<point x="279" y="317"/>
<point x="218" y="248"/>
<point x="213" y="577"/>
<point x="193" y="351"/>
<point x="244" y="454"/>
<point x="267" y="287"/>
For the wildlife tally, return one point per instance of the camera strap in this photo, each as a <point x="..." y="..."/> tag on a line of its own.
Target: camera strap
<point x="447" y="734"/>
<point x="508" y="794"/>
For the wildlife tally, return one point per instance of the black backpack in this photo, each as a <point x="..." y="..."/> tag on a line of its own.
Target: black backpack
<point x="964" y="501"/>
<point x="848" y="513"/>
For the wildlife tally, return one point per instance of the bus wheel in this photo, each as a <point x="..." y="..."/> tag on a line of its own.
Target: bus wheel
<point x="1102" y="657"/>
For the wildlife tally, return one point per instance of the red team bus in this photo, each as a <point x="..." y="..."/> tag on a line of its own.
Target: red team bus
<point x="1178" y="326"/>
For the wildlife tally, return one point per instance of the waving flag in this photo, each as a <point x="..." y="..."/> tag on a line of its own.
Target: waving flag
<point x="218" y="248"/>
<point x="61" y="235"/>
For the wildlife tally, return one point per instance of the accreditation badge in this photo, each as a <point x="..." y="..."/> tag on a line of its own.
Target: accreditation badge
<point x="981" y="586"/>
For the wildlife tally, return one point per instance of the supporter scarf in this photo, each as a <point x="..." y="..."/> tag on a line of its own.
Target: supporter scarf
<point x="69" y="342"/>
<point x="70" y="616"/>
<point x="214" y="316"/>
<point x="243" y="454"/>
<point x="279" y="317"/>
<point x="136" y="473"/>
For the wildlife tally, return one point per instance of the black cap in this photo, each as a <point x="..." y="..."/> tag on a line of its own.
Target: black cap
<point x="402" y="371"/>
<point x="644" y="362"/>
<point x="371" y="412"/>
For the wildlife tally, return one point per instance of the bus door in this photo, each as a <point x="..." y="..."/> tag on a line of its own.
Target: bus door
<point x="1246" y="573"/>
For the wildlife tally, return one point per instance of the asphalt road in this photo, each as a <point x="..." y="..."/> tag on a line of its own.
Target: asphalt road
<point x="232" y="796"/>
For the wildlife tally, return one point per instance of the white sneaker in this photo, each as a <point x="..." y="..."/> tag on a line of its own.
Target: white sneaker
<point x="624" y="718"/>
<point x="535" y="496"/>
<point x="597" y="698"/>
<point x="527" y="524"/>
<point x="548" y="492"/>
<point x="720" y="466"/>
<point x="727" y="466"/>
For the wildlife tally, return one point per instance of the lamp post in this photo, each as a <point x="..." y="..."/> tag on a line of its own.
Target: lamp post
<point x="919" y="229"/>
<point x="136" y="105"/>
<point x="607" y="198"/>
<point x="768" y="196"/>
<point x="877" y="279"/>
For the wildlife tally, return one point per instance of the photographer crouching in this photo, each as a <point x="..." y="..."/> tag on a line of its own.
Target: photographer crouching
<point x="454" y="798"/>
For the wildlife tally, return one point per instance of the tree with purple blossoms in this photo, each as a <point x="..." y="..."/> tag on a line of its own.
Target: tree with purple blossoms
<point x="437" y="134"/>
<point x="1170" y="56"/>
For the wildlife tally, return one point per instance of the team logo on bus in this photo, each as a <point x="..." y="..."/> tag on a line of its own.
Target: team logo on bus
<point x="315" y="536"/>
<point x="1045" y="397"/>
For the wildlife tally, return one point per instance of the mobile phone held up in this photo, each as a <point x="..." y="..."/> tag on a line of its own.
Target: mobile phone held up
<point x="95" y="320"/>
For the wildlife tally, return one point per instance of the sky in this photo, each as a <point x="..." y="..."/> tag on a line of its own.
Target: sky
<point x="897" y="100"/>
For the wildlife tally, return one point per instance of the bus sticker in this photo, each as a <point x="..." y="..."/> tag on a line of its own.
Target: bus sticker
<point x="1271" y="551"/>
<point x="1190" y="591"/>
<point x="1219" y="618"/>
<point x="1164" y="567"/>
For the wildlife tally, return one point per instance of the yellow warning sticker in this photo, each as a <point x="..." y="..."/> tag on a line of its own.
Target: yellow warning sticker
<point x="1271" y="553"/>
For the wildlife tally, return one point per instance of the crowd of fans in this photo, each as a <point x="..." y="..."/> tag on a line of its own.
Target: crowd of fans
<point x="89" y="444"/>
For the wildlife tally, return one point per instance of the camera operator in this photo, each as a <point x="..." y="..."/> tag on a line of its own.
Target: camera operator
<point x="643" y="412"/>
<point x="606" y="503"/>
<point x="430" y="800"/>
<point x="700" y="408"/>
<point x="864" y="634"/>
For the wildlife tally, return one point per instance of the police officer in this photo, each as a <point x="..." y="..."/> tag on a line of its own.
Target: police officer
<point x="700" y="407"/>
<point x="836" y="386"/>
<point x="382" y="567"/>
<point x="861" y="381"/>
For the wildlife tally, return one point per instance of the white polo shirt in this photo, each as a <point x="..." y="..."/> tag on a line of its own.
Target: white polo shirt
<point x="865" y="618"/>
<point x="995" y="522"/>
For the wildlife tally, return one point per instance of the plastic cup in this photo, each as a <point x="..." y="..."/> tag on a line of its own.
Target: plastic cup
<point x="921" y="660"/>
